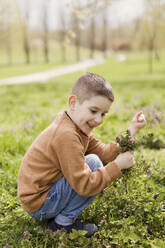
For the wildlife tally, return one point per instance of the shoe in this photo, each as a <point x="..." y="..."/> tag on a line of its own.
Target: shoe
<point x="78" y="225"/>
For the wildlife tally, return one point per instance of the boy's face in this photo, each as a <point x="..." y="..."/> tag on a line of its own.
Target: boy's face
<point x="90" y="113"/>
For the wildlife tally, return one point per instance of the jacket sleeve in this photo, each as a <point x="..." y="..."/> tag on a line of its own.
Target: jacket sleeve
<point x="70" y="154"/>
<point x="106" y="152"/>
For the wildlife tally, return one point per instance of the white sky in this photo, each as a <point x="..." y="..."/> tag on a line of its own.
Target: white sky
<point x="121" y="11"/>
<point x="126" y="10"/>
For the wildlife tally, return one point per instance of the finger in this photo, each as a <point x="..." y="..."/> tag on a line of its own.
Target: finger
<point x="139" y="113"/>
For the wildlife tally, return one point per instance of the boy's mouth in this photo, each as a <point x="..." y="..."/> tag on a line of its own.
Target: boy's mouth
<point x="90" y="126"/>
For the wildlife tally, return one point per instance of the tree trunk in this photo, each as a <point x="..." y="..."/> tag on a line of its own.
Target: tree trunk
<point x="63" y="52"/>
<point x="150" y="58"/>
<point x="8" y="47"/>
<point x="105" y="37"/>
<point x="77" y="41"/>
<point x="92" y="38"/>
<point x="26" y="45"/>
<point x="45" y="35"/>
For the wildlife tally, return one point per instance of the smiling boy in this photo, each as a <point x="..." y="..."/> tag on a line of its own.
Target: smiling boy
<point x="63" y="169"/>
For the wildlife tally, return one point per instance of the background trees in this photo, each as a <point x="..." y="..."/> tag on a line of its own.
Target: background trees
<point x="39" y="28"/>
<point x="153" y="29"/>
<point x="7" y="23"/>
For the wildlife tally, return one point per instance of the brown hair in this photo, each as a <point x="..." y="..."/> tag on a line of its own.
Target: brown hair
<point x="90" y="85"/>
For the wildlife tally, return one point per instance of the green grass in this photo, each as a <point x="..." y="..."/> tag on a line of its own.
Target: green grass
<point x="23" y="69"/>
<point x="130" y="212"/>
<point x="19" y="67"/>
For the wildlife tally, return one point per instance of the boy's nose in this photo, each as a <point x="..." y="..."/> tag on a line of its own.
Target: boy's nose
<point x="98" y="119"/>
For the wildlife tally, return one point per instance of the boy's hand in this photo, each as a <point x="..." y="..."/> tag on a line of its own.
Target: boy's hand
<point x="137" y="122"/>
<point x="125" y="160"/>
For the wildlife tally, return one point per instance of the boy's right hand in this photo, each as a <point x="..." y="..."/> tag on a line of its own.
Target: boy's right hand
<point x="125" y="160"/>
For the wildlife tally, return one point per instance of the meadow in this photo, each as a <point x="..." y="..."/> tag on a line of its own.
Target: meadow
<point x="130" y="213"/>
<point x="20" y="67"/>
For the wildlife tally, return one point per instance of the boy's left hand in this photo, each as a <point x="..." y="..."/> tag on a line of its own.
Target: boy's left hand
<point x="137" y="122"/>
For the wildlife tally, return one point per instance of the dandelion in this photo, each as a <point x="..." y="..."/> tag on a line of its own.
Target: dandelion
<point x="141" y="117"/>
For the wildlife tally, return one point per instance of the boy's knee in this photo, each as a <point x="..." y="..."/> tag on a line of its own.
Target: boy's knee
<point x="93" y="161"/>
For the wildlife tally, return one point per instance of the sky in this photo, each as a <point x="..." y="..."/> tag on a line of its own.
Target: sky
<point x="126" y="10"/>
<point x="121" y="11"/>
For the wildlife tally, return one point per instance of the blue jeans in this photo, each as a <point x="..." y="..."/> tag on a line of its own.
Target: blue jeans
<point x="62" y="202"/>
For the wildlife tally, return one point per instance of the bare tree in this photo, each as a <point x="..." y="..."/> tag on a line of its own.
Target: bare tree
<point x="76" y="19"/>
<point x="45" y="11"/>
<point x="96" y="8"/>
<point x="80" y="12"/>
<point x="25" y="31"/>
<point x="105" y="31"/>
<point x="63" y="33"/>
<point x="92" y="37"/>
<point x="87" y="12"/>
<point x="152" y="22"/>
<point x="6" y="18"/>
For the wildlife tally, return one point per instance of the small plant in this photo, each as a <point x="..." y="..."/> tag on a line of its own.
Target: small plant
<point x="126" y="142"/>
<point x="153" y="141"/>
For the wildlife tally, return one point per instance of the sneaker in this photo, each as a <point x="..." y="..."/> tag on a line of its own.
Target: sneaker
<point x="78" y="225"/>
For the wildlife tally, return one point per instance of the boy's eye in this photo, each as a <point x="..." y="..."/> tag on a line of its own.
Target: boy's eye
<point x="93" y="111"/>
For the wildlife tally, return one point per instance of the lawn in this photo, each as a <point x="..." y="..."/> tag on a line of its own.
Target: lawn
<point x="130" y="212"/>
<point x="19" y="67"/>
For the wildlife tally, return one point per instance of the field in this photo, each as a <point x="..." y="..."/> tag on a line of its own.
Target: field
<point x="130" y="212"/>
<point x="19" y="67"/>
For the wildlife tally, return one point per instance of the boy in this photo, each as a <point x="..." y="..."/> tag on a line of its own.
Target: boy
<point x="63" y="169"/>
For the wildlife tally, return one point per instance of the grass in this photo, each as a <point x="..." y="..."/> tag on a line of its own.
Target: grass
<point x="23" y="69"/>
<point x="19" y="67"/>
<point x="130" y="212"/>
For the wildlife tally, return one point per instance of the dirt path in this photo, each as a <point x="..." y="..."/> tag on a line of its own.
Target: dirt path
<point x="46" y="75"/>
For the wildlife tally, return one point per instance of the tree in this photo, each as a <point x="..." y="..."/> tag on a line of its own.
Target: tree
<point x="24" y="20"/>
<point x="86" y="14"/>
<point x="45" y="9"/>
<point x="151" y="28"/>
<point x="64" y="40"/>
<point x="77" y="21"/>
<point x="6" y="18"/>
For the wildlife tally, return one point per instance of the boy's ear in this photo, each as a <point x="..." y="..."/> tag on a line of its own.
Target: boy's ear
<point x="72" y="102"/>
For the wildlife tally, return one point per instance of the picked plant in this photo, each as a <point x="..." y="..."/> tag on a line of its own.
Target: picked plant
<point x="126" y="142"/>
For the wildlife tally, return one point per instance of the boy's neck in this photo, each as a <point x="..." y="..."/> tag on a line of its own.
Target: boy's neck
<point x="68" y="113"/>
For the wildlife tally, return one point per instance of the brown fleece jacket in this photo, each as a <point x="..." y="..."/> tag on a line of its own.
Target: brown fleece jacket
<point x="59" y="151"/>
